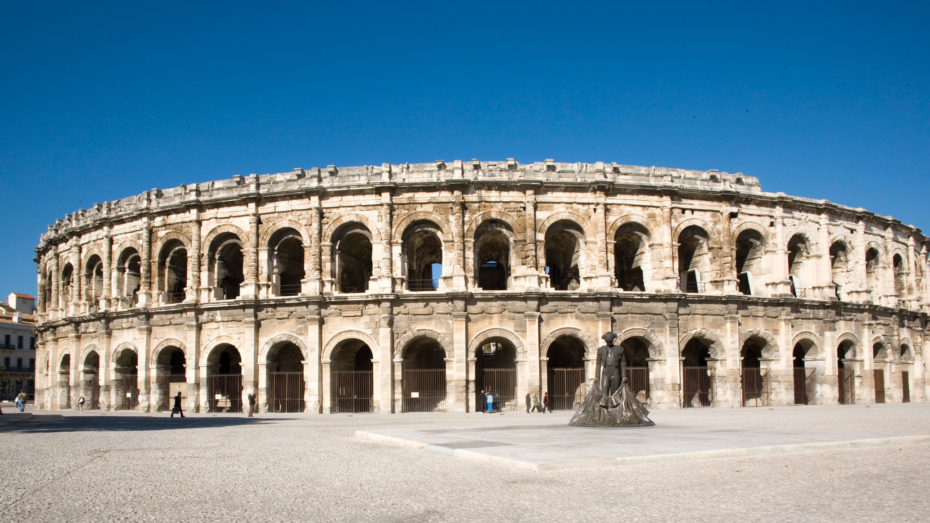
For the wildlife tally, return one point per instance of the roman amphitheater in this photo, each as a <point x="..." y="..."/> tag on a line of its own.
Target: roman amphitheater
<point x="398" y="288"/>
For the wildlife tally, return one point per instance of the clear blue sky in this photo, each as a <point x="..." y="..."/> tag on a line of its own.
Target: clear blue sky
<point x="99" y="101"/>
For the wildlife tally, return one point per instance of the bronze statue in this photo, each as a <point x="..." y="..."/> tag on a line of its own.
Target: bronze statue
<point x="610" y="367"/>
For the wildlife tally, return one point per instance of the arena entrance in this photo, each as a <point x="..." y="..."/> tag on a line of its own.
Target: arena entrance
<point x="423" y="376"/>
<point x="170" y="369"/>
<point x="285" y="389"/>
<point x="352" y="380"/>
<point x="804" y="378"/>
<point x="224" y="380"/>
<point x="90" y="381"/>
<point x="636" y="352"/>
<point x="846" y="376"/>
<point x="565" y="373"/>
<point x="126" y="384"/>
<point x="753" y="382"/>
<point x="64" y="382"/>
<point x="697" y="382"/>
<point x="496" y="372"/>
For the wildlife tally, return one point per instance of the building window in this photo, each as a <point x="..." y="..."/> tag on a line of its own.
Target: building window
<point x="32" y="342"/>
<point x="6" y="362"/>
<point x="19" y="363"/>
<point x="32" y="363"/>
<point x="6" y="341"/>
<point x="19" y="342"/>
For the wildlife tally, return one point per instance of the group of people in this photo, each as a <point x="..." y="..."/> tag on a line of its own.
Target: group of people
<point x="533" y="405"/>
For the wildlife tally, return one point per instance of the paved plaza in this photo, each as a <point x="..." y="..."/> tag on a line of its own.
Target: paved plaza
<point x="787" y="463"/>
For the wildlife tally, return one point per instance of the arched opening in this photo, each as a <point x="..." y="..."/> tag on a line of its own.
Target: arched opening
<point x="565" y="369"/>
<point x="750" y="246"/>
<point x="905" y="358"/>
<point x="752" y="379"/>
<point x="126" y="384"/>
<point x="172" y="271"/>
<point x="66" y="275"/>
<point x="64" y="382"/>
<point x="47" y="291"/>
<point x="352" y="258"/>
<point x="839" y="263"/>
<point x="285" y="367"/>
<point x="799" y="254"/>
<point x="804" y="380"/>
<point x="352" y="380"/>
<point x="170" y="375"/>
<point x="492" y="255"/>
<point x="93" y="282"/>
<point x="871" y="271"/>
<point x="630" y="257"/>
<point x="900" y="275"/>
<point x="224" y="379"/>
<point x="129" y="271"/>
<point x="636" y="352"/>
<point x="846" y="375"/>
<point x="286" y="262"/>
<point x="423" y="376"/>
<point x="881" y="356"/>
<point x="225" y="264"/>
<point x="496" y="372"/>
<point x="422" y="254"/>
<point x="563" y="255"/>
<point x="90" y="381"/>
<point x="693" y="259"/>
<point x="697" y="384"/>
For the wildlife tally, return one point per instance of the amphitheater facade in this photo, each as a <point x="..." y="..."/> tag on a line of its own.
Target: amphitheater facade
<point x="411" y="287"/>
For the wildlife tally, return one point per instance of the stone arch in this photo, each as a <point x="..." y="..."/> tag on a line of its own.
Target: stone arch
<point x="571" y="216"/>
<point x="208" y="347"/>
<point x="90" y="252"/>
<point x="492" y="254"/>
<point x="496" y="332"/>
<point x="753" y="226"/>
<point x="345" y="220"/>
<point x="276" y="224"/>
<point x="490" y="215"/>
<point x="641" y="332"/>
<point x="225" y="228"/>
<point x="171" y="235"/>
<point x="590" y="343"/>
<point x="698" y="222"/>
<point x="693" y="256"/>
<point x="165" y="343"/>
<point x="564" y="254"/>
<point x="335" y="341"/>
<point x="634" y="218"/>
<point x="886" y="351"/>
<point x="351" y="257"/>
<point x="715" y="345"/>
<point x="86" y="352"/>
<point x="749" y="245"/>
<point x="423" y="253"/>
<point x="771" y="349"/>
<point x="279" y="338"/>
<point x="402" y="344"/>
<point x="421" y="216"/>
<point x="905" y="352"/>
<point x="856" y="346"/>
<point x="816" y="342"/>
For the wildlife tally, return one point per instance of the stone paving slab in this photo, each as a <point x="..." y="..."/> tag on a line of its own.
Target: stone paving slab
<point x="547" y="442"/>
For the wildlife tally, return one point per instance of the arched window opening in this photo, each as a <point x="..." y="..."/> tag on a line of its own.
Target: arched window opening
<point x="352" y="377"/>
<point x="225" y="259"/>
<point x="352" y="258"/>
<point x="129" y="271"/>
<point x="804" y="385"/>
<point x="839" y="263"/>
<point x="90" y="381"/>
<point x="285" y="368"/>
<point x="64" y="382"/>
<point x="422" y="251"/>
<point x="93" y="281"/>
<point x="630" y="251"/>
<point x="172" y="271"/>
<point x="749" y="251"/>
<point x="693" y="259"/>
<point x="66" y="274"/>
<point x="423" y="378"/>
<point x="636" y="353"/>
<point x="170" y="375"/>
<point x="492" y="255"/>
<point x="697" y="383"/>
<point x="752" y="380"/>
<point x="799" y="252"/>
<point x="565" y="369"/>
<point x="126" y="383"/>
<point x="496" y="372"/>
<point x="224" y="379"/>
<point x="846" y="373"/>
<point x="900" y="275"/>
<point x="871" y="271"/>
<point x="287" y="262"/>
<point x="881" y="354"/>
<point x="563" y="252"/>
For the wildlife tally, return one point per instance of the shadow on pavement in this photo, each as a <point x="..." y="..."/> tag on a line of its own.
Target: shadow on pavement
<point x="29" y="423"/>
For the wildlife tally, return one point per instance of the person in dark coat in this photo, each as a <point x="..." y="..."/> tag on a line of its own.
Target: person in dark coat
<point x="528" y="400"/>
<point x="546" y="405"/>
<point x="251" y="403"/>
<point x="177" y="406"/>
<point x="482" y="405"/>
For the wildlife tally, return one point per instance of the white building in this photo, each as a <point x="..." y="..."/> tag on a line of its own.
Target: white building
<point x="17" y="345"/>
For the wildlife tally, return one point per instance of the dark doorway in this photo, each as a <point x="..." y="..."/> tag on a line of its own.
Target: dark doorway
<point x="285" y="378"/>
<point x="565" y="372"/>
<point x="496" y="372"/>
<point x="423" y="376"/>
<point x="696" y="380"/>
<point x="352" y="377"/>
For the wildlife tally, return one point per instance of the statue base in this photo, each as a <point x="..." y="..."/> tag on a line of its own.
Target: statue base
<point x="620" y="409"/>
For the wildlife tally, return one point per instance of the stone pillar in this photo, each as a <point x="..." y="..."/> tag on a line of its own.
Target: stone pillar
<point x="77" y="284"/>
<point x="535" y="376"/>
<point x="666" y="271"/>
<point x="889" y="297"/>
<point x="107" y="297"/>
<point x="385" y="283"/>
<point x="727" y="260"/>
<point x="458" y="242"/>
<point x="312" y="366"/>
<point x="600" y="265"/>
<point x="386" y="353"/>
<point x="531" y="275"/>
<point x="779" y="285"/>
<point x="249" y="288"/>
<point x="730" y="364"/>
<point x="464" y="387"/>
<point x="860" y="291"/>
<point x="250" y="358"/>
<point x="312" y="284"/>
<point x="145" y="280"/>
<point x="144" y="377"/>
<point x="910" y="274"/>
<point x="192" y="359"/>
<point x="827" y="290"/>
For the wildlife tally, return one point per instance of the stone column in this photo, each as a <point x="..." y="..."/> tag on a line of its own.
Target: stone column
<point x="192" y="359"/>
<point x="107" y="297"/>
<point x="249" y="288"/>
<point x="727" y="260"/>
<point x="77" y="282"/>
<point x="534" y="377"/>
<point x="889" y="297"/>
<point x="666" y="271"/>
<point x="144" y="377"/>
<point x="312" y="366"/>
<point x="827" y="290"/>
<point x="458" y="242"/>
<point x="194" y="260"/>
<point x="250" y="358"/>
<point x="385" y="354"/>
<point x="312" y="284"/>
<point x="464" y="388"/>
<point x="732" y="359"/>
<point x="600" y="266"/>
<point x="779" y="285"/>
<point x="145" y="280"/>
<point x="385" y="283"/>
<point x="860" y="290"/>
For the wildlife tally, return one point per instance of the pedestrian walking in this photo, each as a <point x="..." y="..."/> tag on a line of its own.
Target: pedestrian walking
<point x="251" y="403"/>
<point x="546" y="406"/>
<point x="21" y="401"/>
<point x="177" y="405"/>
<point x="528" y="399"/>
<point x="536" y="406"/>
<point x="81" y="404"/>
<point x="490" y="402"/>
<point x="482" y="402"/>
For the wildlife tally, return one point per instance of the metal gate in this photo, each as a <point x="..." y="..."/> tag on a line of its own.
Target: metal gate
<point x="697" y="387"/>
<point x="905" y="388"/>
<point x="286" y="392"/>
<point x="424" y="390"/>
<point x="879" y="376"/>
<point x="351" y="391"/>
<point x="803" y="382"/>
<point x="847" y="386"/>
<point x="225" y="393"/>
<point x="562" y="385"/>
<point x="502" y="383"/>
<point x="639" y="381"/>
<point x="755" y="387"/>
<point x="128" y="391"/>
